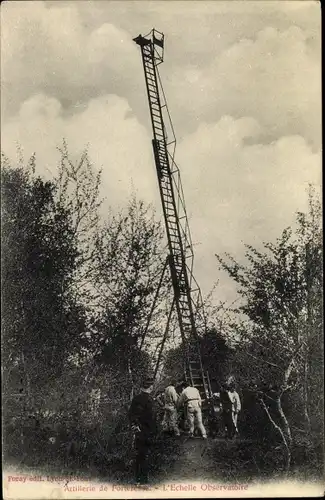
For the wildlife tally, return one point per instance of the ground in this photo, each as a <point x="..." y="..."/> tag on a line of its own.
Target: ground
<point x="193" y="461"/>
<point x="185" y="459"/>
<point x="175" y="460"/>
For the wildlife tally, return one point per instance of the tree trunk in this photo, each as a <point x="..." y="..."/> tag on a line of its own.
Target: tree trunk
<point x="131" y="379"/>
<point x="305" y="396"/>
<point x="308" y="331"/>
<point x="283" y="419"/>
<point x="282" y="434"/>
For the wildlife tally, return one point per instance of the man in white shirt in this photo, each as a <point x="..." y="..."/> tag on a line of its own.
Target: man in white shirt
<point x="191" y="399"/>
<point x="171" y="416"/>
<point x="235" y="404"/>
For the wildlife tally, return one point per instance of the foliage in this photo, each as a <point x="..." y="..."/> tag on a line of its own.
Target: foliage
<point x="76" y="298"/>
<point x="40" y="318"/>
<point x="279" y="322"/>
<point x="127" y="269"/>
<point x="77" y="294"/>
<point x="216" y="355"/>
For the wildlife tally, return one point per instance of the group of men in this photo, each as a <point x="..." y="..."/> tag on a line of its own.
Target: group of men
<point x="188" y="403"/>
<point x="185" y="402"/>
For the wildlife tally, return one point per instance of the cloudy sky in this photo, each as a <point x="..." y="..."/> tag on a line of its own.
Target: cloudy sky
<point x="243" y="85"/>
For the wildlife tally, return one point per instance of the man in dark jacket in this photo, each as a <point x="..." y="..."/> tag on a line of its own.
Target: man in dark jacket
<point x="143" y="422"/>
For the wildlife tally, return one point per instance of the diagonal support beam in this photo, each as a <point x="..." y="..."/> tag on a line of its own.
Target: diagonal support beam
<point x="162" y="345"/>
<point x="154" y="302"/>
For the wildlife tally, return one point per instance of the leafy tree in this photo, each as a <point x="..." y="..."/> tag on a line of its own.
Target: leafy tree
<point x="78" y="191"/>
<point x="281" y="291"/>
<point x="41" y="319"/>
<point x="77" y="294"/>
<point x="128" y="267"/>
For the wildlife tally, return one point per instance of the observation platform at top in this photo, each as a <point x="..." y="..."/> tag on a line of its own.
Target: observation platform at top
<point x="155" y="39"/>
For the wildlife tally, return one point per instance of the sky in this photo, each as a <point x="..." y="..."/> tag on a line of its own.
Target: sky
<point x="243" y="84"/>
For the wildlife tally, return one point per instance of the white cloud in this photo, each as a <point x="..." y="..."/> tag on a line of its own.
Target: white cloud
<point x="259" y="59"/>
<point x="117" y="142"/>
<point x="239" y="192"/>
<point x="243" y="83"/>
<point x="51" y="51"/>
<point x="273" y="78"/>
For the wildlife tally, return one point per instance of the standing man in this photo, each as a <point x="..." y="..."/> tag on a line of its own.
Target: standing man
<point x="143" y="423"/>
<point x="230" y="408"/>
<point x="235" y="405"/>
<point x="171" y="416"/>
<point x="190" y="398"/>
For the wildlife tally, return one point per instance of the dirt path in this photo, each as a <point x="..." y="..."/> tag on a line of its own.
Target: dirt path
<point x="191" y="460"/>
<point x="194" y="461"/>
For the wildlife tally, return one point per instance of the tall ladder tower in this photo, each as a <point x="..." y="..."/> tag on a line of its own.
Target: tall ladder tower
<point x="187" y="294"/>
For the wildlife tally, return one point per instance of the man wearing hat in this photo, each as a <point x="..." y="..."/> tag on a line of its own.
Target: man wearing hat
<point x="143" y="422"/>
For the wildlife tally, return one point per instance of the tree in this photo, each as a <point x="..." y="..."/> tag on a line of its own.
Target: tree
<point x="281" y="292"/>
<point x="77" y="293"/>
<point x="41" y="320"/>
<point x="127" y="269"/>
<point x="78" y="191"/>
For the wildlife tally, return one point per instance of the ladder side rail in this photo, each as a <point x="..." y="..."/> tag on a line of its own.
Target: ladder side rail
<point x="158" y="166"/>
<point x="181" y="249"/>
<point x="174" y="229"/>
<point x="147" y="84"/>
